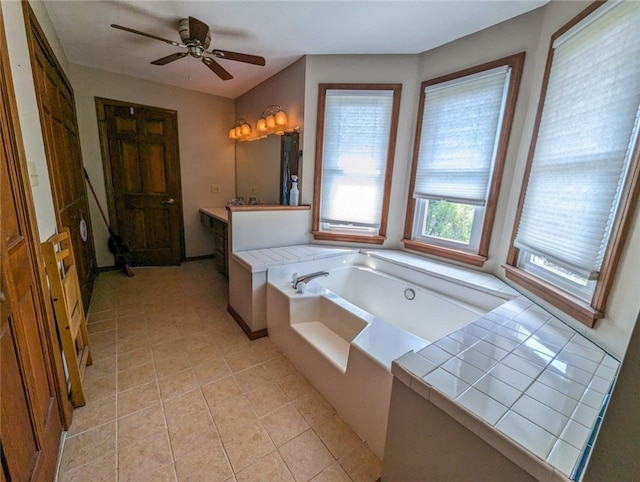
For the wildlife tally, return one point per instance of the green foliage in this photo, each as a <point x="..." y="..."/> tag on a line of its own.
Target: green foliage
<point x="449" y="220"/>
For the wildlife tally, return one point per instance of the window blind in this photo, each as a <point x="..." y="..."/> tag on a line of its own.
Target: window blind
<point x="587" y="131"/>
<point x="355" y="149"/>
<point x="461" y="122"/>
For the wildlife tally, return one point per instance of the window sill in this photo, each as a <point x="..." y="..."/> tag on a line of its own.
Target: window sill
<point x="448" y="253"/>
<point x="571" y="305"/>
<point x="348" y="238"/>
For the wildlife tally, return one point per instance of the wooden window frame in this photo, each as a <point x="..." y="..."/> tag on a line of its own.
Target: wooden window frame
<point x="317" y="187"/>
<point x="585" y="312"/>
<point x="477" y="258"/>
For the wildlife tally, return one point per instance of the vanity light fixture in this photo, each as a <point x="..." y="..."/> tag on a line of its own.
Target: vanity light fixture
<point x="273" y="120"/>
<point x="240" y="130"/>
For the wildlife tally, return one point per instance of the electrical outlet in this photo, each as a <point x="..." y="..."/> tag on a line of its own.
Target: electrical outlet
<point x="215" y="188"/>
<point x="254" y="190"/>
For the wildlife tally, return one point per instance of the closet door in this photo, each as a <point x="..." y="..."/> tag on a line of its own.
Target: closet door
<point x="30" y="416"/>
<point x="59" y="124"/>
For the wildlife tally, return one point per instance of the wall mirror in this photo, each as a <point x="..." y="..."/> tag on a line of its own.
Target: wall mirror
<point x="264" y="168"/>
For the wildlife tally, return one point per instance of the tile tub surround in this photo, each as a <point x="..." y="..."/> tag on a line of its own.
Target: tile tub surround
<point x="177" y="392"/>
<point x="519" y="372"/>
<point x="523" y="375"/>
<point x="258" y="260"/>
<point x="248" y="280"/>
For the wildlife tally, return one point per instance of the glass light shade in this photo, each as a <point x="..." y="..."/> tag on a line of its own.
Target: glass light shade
<point x="261" y="126"/>
<point x="271" y="122"/>
<point x="232" y="133"/>
<point x="245" y="129"/>
<point x="238" y="131"/>
<point x="281" y="118"/>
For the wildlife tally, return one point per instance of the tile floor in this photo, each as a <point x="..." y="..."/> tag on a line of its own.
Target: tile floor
<point x="178" y="392"/>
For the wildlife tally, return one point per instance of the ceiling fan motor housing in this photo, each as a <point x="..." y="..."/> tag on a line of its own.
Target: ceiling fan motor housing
<point x="188" y="40"/>
<point x="196" y="38"/>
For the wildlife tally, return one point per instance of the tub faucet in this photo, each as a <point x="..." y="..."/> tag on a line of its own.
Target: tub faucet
<point x="299" y="282"/>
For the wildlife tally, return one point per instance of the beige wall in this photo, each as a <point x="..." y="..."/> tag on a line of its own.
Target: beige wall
<point x="27" y="104"/>
<point x="401" y="69"/>
<point x="286" y="88"/>
<point x="613" y="332"/>
<point x="531" y="33"/>
<point x="517" y="35"/>
<point x="206" y="154"/>
<point x="258" y="162"/>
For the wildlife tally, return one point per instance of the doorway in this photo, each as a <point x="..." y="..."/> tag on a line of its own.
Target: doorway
<point x="142" y="175"/>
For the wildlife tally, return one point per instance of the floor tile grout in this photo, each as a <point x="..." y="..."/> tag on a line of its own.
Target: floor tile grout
<point x="176" y="323"/>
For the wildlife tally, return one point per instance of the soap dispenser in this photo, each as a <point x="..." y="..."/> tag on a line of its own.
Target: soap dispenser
<point x="294" y="195"/>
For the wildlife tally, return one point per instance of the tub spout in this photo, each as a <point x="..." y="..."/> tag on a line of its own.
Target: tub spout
<point x="304" y="279"/>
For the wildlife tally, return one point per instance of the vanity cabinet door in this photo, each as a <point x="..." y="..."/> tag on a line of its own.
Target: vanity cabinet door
<point x="220" y="244"/>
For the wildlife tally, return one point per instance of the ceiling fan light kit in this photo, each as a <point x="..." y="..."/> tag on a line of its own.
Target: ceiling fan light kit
<point x="195" y="36"/>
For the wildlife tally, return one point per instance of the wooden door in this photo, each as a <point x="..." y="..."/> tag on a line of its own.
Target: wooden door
<point x="62" y="145"/>
<point x="30" y="412"/>
<point x="141" y="161"/>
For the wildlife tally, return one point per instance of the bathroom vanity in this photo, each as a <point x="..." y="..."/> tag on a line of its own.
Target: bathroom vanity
<point x="217" y="220"/>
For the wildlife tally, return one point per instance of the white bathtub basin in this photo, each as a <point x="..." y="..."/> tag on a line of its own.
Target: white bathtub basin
<point x="426" y="312"/>
<point x="345" y="330"/>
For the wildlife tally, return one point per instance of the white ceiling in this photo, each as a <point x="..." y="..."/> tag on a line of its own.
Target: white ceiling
<point x="280" y="31"/>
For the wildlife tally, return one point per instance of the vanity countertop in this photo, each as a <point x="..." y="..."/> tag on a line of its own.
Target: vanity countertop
<point x="221" y="213"/>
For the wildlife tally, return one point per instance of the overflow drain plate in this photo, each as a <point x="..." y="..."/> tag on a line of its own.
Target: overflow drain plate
<point x="409" y="294"/>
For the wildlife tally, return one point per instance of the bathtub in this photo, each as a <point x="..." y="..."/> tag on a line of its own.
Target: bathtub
<point x="425" y="312"/>
<point x="344" y="331"/>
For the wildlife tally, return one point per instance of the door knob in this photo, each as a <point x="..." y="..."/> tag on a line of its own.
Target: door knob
<point x="168" y="201"/>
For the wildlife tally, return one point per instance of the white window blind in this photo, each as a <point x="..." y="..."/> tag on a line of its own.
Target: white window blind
<point x="461" y="123"/>
<point x="585" y="139"/>
<point x="355" y="150"/>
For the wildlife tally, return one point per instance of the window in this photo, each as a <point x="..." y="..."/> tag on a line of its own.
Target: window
<point x="582" y="171"/>
<point x="357" y="125"/>
<point x="461" y="142"/>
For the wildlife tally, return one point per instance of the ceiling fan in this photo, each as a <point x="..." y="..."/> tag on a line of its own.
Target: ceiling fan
<point x="196" y="38"/>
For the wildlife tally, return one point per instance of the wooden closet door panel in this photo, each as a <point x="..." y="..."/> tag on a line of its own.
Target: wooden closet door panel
<point x="59" y="125"/>
<point x="31" y="420"/>
<point x="20" y="446"/>
<point x="30" y="410"/>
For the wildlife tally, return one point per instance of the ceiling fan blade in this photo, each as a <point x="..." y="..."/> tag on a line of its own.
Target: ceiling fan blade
<point x="170" y="58"/>
<point x="137" y="32"/>
<point x="198" y="30"/>
<point x="217" y="68"/>
<point x="238" y="57"/>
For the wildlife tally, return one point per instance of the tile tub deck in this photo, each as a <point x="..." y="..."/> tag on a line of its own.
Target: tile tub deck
<point x="517" y="371"/>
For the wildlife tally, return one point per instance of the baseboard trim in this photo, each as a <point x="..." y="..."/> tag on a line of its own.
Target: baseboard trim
<point x="253" y="335"/>
<point x="104" y="269"/>
<point x="198" y="258"/>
